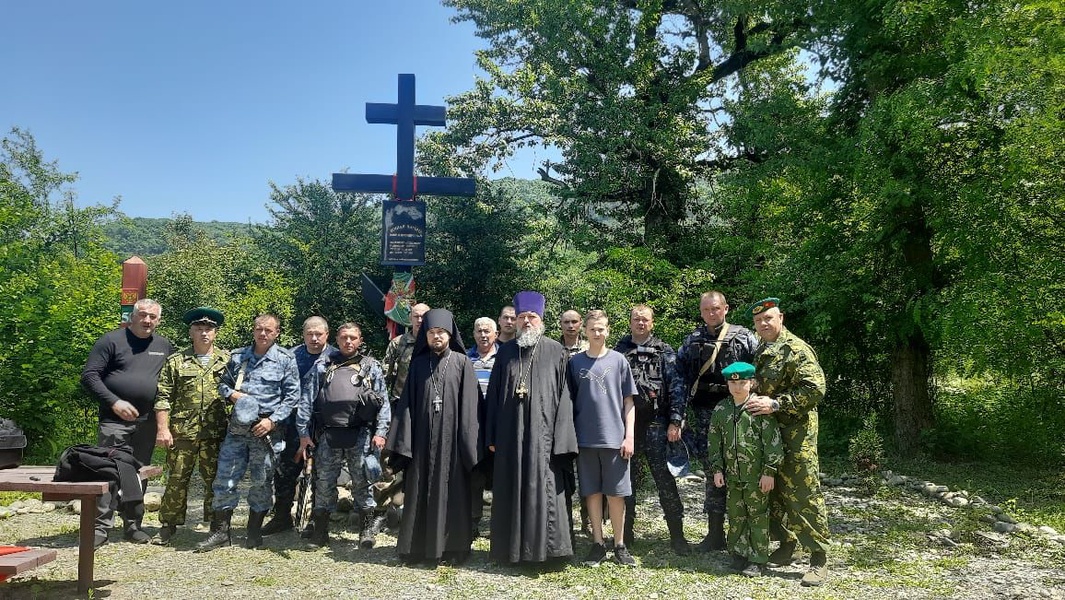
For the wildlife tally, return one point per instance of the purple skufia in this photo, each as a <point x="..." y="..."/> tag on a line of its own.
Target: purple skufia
<point x="528" y="301"/>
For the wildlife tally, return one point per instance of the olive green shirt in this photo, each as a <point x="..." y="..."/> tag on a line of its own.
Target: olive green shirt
<point x="188" y="390"/>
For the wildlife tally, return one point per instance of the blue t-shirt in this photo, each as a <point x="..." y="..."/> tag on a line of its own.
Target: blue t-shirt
<point x="598" y="387"/>
<point x="483" y="366"/>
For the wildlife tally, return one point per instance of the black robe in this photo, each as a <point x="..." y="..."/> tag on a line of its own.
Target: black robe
<point x="535" y="444"/>
<point x="442" y="449"/>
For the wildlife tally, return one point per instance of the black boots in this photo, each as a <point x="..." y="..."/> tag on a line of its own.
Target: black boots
<point x="281" y="521"/>
<point x="715" y="534"/>
<point x="372" y="522"/>
<point x="255" y="530"/>
<point x="784" y="555"/>
<point x="320" y="536"/>
<point x="219" y="531"/>
<point x="676" y="537"/>
<point x="630" y="519"/>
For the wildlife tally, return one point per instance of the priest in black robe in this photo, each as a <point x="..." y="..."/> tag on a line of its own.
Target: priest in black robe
<point x="434" y="439"/>
<point x="530" y="431"/>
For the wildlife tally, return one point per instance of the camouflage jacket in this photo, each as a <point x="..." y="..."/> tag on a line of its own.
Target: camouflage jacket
<point x="273" y="380"/>
<point x="396" y="363"/>
<point x="188" y="390"/>
<point x="788" y="372"/>
<point x="743" y="446"/>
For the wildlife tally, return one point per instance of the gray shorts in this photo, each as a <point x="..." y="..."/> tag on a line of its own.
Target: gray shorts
<point x="603" y="471"/>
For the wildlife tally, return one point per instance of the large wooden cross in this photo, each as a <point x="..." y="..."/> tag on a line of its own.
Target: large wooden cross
<point x="403" y="186"/>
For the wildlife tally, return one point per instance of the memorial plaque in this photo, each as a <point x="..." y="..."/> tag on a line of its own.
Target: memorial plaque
<point x="403" y="233"/>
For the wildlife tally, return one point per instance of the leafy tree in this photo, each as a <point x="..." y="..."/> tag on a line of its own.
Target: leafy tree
<point x="61" y="292"/>
<point x="627" y="91"/>
<point x="235" y="277"/>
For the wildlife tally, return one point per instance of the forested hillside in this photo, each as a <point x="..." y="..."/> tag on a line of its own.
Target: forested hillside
<point x="142" y="236"/>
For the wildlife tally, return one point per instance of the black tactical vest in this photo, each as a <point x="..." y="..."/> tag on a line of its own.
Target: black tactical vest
<point x="646" y="363"/>
<point x="346" y="398"/>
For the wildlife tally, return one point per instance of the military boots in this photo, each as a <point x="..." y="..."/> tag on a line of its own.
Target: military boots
<point x="784" y="555"/>
<point x="372" y="522"/>
<point x="255" y="530"/>
<point x="818" y="572"/>
<point x="219" y="531"/>
<point x="281" y="521"/>
<point x="715" y="534"/>
<point x="320" y="536"/>
<point x="164" y="535"/>
<point x="677" y="540"/>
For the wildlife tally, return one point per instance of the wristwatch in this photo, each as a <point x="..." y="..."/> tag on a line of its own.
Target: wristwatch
<point x="775" y="405"/>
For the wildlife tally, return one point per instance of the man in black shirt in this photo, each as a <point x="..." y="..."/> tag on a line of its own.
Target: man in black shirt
<point x="122" y="372"/>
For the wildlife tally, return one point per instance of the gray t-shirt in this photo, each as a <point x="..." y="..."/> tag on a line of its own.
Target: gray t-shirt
<point x="598" y="387"/>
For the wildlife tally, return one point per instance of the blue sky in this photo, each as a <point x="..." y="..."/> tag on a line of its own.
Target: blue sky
<point x="195" y="106"/>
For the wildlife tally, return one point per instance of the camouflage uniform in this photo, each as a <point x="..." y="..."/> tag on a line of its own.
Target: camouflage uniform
<point x="653" y="364"/>
<point x="328" y="461"/>
<point x="788" y="372"/>
<point x="580" y="346"/>
<point x="738" y="345"/>
<point x="396" y="363"/>
<point x="745" y="447"/>
<point x="188" y="390"/>
<point x="274" y="381"/>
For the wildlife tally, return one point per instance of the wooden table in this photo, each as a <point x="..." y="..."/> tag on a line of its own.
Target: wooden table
<point x="39" y="479"/>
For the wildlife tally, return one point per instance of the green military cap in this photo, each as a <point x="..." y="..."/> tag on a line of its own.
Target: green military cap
<point x="738" y="370"/>
<point x="204" y="315"/>
<point x="763" y="305"/>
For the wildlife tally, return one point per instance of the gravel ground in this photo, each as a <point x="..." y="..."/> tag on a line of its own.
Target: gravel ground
<point x="888" y="544"/>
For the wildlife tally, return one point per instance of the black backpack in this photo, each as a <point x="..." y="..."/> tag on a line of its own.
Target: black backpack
<point x="113" y="464"/>
<point x="12" y="443"/>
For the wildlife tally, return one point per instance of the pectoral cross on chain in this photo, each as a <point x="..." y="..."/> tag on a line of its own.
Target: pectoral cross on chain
<point x="437" y="402"/>
<point x="521" y="392"/>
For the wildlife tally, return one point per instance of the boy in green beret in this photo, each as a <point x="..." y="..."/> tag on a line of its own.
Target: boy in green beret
<point x="748" y="449"/>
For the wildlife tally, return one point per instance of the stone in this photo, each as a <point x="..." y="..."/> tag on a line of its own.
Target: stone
<point x="1004" y="527"/>
<point x="1058" y="539"/>
<point x="1048" y="530"/>
<point x="1005" y="517"/>
<point x="958" y="502"/>
<point x="74" y="506"/>
<point x="997" y="509"/>
<point x="152" y="501"/>
<point x="988" y="518"/>
<point x="345" y="502"/>
<point x="5" y="512"/>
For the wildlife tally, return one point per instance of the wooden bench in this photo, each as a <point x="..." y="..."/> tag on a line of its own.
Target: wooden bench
<point x="39" y="479"/>
<point x="20" y="562"/>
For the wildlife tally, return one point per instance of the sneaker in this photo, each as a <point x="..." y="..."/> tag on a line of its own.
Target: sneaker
<point x="752" y="570"/>
<point x="596" y="554"/>
<point x="622" y="556"/>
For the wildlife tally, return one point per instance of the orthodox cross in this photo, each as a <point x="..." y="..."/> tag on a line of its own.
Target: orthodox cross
<point x="403" y="222"/>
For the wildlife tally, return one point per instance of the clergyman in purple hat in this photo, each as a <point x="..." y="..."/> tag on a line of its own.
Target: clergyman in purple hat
<point x="530" y="431"/>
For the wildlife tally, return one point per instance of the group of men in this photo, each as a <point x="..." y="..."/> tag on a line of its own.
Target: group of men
<point x="517" y="413"/>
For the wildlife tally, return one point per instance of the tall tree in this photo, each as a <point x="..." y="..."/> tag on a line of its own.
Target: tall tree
<point x="628" y="91"/>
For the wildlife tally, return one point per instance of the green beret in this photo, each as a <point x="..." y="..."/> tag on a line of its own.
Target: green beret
<point x="204" y="315"/>
<point x="763" y="305"/>
<point x="738" y="370"/>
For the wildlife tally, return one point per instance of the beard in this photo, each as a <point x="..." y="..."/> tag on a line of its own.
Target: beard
<point x="529" y="337"/>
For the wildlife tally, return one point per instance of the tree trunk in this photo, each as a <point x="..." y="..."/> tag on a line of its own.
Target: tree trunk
<point x="910" y="360"/>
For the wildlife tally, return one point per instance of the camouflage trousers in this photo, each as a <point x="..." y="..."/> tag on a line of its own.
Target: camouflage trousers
<point x="748" y="521"/>
<point x="327" y="464"/>
<point x="181" y="460"/>
<point x="650" y="438"/>
<point x="240" y="453"/>
<point x="696" y="436"/>
<point x="288" y="469"/>
<point x="796" y="505"/>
